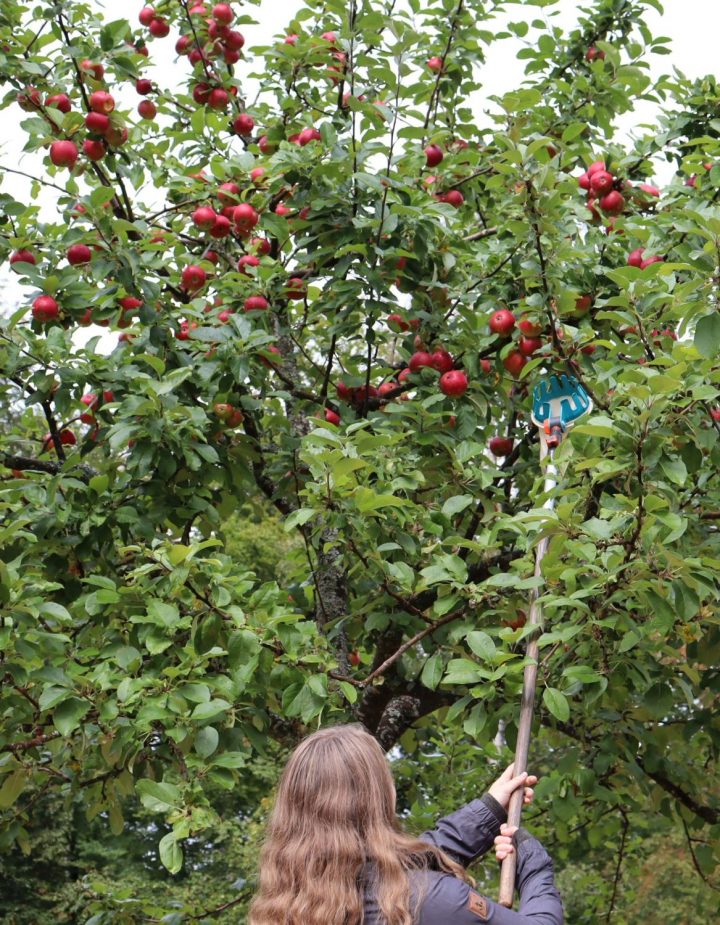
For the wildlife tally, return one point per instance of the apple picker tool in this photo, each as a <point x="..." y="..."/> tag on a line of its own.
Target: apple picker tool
<point x="558" y="402"/>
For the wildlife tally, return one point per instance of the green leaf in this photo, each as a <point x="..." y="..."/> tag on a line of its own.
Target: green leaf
<point x="599" y="425"/>
<point x="463" y="671"/>
<point x="68" y="714"/>
<point x="675" y="469"/>
<point x="51" y="696"/>
<point x="432" y="671"/>
<point x="12" y="788"/>
<point x="481" y="644"/>
<point x="349" y="690"/>
<point x="158" y="796"/>
<point x="456" y="504"/>
<point x="210" y="710"/>
<point x="171" y="853"/>
<point x="707" y="335"/>
<point x="206" y="741"/>
<point x="298" y="518"/>
<point x="557" y="703"/>
<point x="163" y="614"/>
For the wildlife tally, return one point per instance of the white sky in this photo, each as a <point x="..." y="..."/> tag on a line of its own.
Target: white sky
<point x="693" y="25"/>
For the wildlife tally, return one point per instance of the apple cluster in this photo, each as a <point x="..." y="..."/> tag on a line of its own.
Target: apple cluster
<point x="603" y="190"/>
<point x="105" y="128"/>
<point x="610" y="194"/>
<point x="452" y="382"/>
<point x="209" y="40"/>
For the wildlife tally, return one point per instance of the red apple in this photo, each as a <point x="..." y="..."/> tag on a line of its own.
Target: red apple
<point x="218" y="99"/>
<point x="529" y="345"/>
<point x="502" y="322"/>
<point x="247" y="260"/>
<point x="23" y="256"/>
<point x="193" y="277"/>
<point x="296" y="289"/>
<point x="514" y="362"/>
<point x="454" y="383"/>
<point x="332" y="417"/>
<point x="715" y="413"/>
<point x="387" y="387"/>
<point x="433" y="155"/>
<point x="221" y="227"/>
<point x="343" y="392"/>
<point x="244" y="124"/>
<point x="266" y="146"/>
<point x="419" y="359"/>
<point x="98" y="71"/>
<point x="261" y="245"/>
<point x="30" y="100"/>
<point x="116" y="135"/>
<point x="612" y="203"/>
<point x="307" y="135"/>
<point x="223" y="410"/>
<point x="442" y="361"/>
<point x="595" y="166"/>
<point x="94" y="149"/>
<point x="650" y="260"/>
<point x="234" y="40"/>
<point x="78" y="254"/>
<point x="454" y="197"/>
<point x="64" y="153"/>
<point x="485" y="366"/>
<point x="256" y="303"/>
<point x="204" y="217"/>
<point x="245" y="217"/>
<point x="529" y="327"/>
<point x="583" y="304"/>
<point x="594" y="53"/>
<point x="257" y="174"/>
<point x="143" y="86"/>
<point x="159" y="27"/>
<point x="397" y="322"/>
<point x="649" y="189"/>
<point x="60" y="101"/>
<point x="223" y="14"/>
<point x="45" y="309"/>
<point x="147" y="110"/>
<point x="500" y="446"/>
<point x="228" y="193"/>
<point x="635" y="258"/>
<point x="584" y="181"/>
<point x="601" y="182"/>
<point x="97" y="122"/>
<point x="102" y="101"/>
<point x="130" y="303"/>
<point x="291" y="39"/>
<point x="147" y="14"/>
<point x="435" y="64"/>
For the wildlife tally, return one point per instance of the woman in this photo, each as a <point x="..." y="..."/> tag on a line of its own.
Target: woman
<point x="335" y="854"/>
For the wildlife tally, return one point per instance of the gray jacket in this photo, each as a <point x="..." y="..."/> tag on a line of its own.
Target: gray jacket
<point x="465" y="835"/>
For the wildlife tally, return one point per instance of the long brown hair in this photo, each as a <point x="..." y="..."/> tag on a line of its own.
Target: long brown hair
<point x="334" y="825"/>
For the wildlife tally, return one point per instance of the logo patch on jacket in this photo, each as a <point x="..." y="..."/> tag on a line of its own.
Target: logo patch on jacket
<point x="478" y="906"/>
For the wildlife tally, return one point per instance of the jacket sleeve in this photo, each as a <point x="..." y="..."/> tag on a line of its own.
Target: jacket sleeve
<point x="451" y="900"/>
<point x="469" y="832"/>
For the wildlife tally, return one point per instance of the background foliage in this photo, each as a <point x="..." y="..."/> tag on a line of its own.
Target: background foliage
<point x="187" y="588"/>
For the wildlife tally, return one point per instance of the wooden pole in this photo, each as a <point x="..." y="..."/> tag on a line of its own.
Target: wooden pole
<point x="507" y="870"/>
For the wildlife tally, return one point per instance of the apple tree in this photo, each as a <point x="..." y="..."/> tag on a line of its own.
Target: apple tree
<point x="323" y="274"/>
